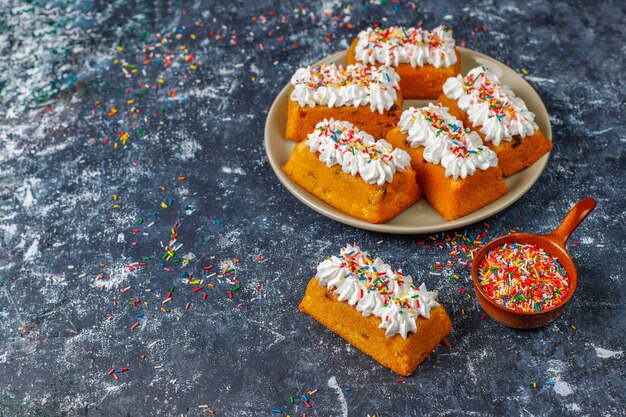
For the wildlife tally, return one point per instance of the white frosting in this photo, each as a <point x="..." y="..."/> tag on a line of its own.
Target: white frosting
<point x="459" y="150"/>
<point x="491" y="105"/>
<point x="355" y="85"/>
<point x="374" y="288"/>
<point x="342" y="143"/>
<point x="399" y="45"/>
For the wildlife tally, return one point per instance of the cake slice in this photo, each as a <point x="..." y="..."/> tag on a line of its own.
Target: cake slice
<point x="423" y="59"/>
<point x="456" y="172"/>
<point x="367" y="97"/>
<point x="499" y="116"/>
<point x="348" y="169"/>
<point x="376" y="309"/>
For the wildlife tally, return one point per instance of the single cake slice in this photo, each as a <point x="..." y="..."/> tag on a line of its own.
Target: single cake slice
<point x="456" y="172"/>
<point x="423" y="59"/>
<point x="376" y="309"/>
<point x="368" y="97"/>
<point x="499" y="116"/>
<point x="348" y="169"/>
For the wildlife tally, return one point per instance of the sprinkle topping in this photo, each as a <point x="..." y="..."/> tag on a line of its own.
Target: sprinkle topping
<point x="340" y="142"/>
<point x="397" y="45"/>
<point x="523" y="277"/>
<point x="489" y="91"/>
<point x="354" y="85"/>
<point x="458" y="149"/>
<point x="491" y="105"/>
<point x="374" y="288"/>
<point x="339" y="76"/>
<point x="452" y="130"/>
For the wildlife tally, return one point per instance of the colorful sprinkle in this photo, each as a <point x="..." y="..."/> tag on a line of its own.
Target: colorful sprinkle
<point x="523" y="277"/>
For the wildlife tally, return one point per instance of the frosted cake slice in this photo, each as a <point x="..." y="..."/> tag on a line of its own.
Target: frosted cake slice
<point x="345" y="167"/>
<point x="456" y="172"/>
<point x="424" y="59"/>
<point x="499" y="116"/>
<point x="376" y="309"/>
<point x="365" y="96"/>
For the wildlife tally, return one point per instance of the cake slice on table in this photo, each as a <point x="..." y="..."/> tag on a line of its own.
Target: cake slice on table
<point x="368" y="97"/>
<point x="354" y="173"/>
<point x="423" y="59"/>
<point x="499" y="116"/>
<point x="378" y="310"/>
<point x="456" y="172"/>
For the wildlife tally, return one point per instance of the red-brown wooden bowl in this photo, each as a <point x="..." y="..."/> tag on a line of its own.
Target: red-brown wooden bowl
<point x="554" y="245"/>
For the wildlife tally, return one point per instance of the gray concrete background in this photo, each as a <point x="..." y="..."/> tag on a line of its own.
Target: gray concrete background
<point x="60" y="330"/>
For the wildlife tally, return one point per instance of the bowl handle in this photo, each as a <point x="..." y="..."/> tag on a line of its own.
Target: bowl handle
<point x="577" y="214"/>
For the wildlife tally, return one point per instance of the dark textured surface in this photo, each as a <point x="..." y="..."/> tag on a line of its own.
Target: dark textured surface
<point x="248" y="355"/>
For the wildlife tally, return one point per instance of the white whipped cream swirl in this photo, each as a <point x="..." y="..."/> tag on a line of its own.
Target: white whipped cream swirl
<point x="491" y="105"/>
<point x="459" y="150"/>
<point x="399" y="45"/>
<point x="355" y="85"/>
<point x="342" y="143"/>
<point x="374" y="288"/>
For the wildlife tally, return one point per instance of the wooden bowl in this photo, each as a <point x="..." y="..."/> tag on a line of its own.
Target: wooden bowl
<point x="554" y="245"/>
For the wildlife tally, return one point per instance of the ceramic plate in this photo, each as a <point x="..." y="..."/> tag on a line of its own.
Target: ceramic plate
<point x="421" y="217"/>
